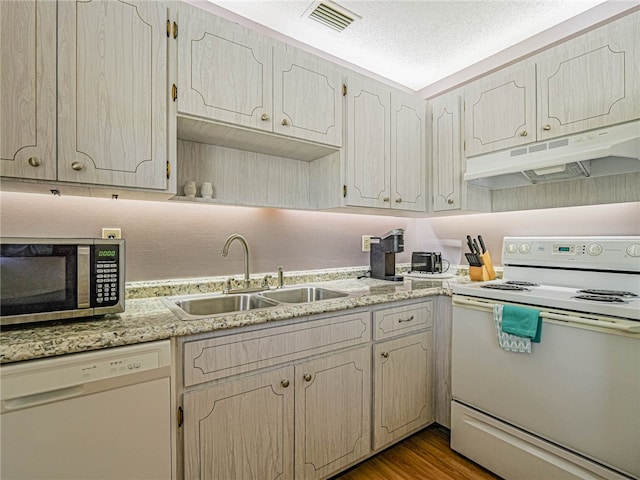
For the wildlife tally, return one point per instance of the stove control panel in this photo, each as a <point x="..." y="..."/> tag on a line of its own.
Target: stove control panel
<point x="594" y="253"/>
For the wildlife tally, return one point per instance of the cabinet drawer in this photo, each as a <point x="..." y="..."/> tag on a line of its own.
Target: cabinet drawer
<point x="400" y="320"/>
<point x="214" y="358"/>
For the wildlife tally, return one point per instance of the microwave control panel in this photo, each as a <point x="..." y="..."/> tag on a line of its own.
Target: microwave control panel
<point x="105" y="290"/>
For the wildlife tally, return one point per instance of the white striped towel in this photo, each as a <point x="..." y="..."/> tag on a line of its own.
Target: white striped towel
<point x="508" y="342"/>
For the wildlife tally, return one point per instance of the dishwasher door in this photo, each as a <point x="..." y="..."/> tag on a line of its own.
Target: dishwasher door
<point x="96" y="415"/>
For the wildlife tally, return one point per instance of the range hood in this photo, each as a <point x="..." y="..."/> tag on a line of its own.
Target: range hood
<point x="596" y="153"/>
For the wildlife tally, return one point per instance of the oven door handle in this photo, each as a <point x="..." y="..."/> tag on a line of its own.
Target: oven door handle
<point x="627" y="326"/>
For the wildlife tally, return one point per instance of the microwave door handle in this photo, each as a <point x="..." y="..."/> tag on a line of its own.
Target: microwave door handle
<point x="84" y="277"/>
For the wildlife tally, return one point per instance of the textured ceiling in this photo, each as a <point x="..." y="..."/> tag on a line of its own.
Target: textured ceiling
<point x="413" y="43"/>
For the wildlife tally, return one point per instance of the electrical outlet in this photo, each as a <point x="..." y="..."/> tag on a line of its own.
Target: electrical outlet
<point x="111" y="233"/>
<point x="366" y="243"/>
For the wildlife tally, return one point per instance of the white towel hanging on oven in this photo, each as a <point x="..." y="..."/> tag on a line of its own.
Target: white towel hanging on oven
<point x="508" y="342"/>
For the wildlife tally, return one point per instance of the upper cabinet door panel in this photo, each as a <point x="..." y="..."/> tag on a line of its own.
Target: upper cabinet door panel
<point x="408" y="152"/>
<point x="224" y="71"/>
<point x="446" y="153"/>
<point x="368" y="147"/>
<point x="500" y="110"/>
<point x="112" y="93"/>
<point x="307" y="97"/>
<point x="591" y="81"/>
<point x="28" y="89"/>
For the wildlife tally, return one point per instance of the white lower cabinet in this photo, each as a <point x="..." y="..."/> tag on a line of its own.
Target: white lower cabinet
<point x="297" y="400"/>
<point x="402" y="393"/>
<point x="333" y="407"/>
<point x="241" y="429"/>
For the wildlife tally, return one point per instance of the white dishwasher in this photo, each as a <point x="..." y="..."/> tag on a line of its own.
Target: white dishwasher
<point x="97" y="415"/>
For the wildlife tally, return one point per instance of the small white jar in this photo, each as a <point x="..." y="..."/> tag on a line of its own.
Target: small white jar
<point x="206" y="190"/>
<point x="190" y="188"/>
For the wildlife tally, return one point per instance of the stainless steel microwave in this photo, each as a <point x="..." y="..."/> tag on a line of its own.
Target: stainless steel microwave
<point x="53" y="278"/>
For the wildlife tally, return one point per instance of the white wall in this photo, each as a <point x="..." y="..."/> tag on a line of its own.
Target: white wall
<point x="180" y="240"/>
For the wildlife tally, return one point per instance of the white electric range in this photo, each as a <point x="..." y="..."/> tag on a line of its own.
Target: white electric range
<point x="570" y="406"/>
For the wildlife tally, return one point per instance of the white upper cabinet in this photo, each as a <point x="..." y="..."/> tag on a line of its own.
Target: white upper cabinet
<point x="500" y="110"/>
<point x="112" y="93"/>
<point x="368" y="143"/>
<point x="446" y="160"/>
<point x="28" y="89"/>
<point x="224" y="70"/>
<point x="386" y="152"/>
<point x="408" y="152"/>
<point x="231" y="74"/>
<point x="108" y="115"/>
<point x="588" y="82"/>
<point x="307" y="97"/>
<point x="591" y="81"/>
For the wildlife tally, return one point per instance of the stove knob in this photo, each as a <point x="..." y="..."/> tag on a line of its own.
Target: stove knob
<point x="594" y="249"/>
<point x="525" y="248"/>
<point x="511" y="248"/>
<point x="634" y="250"/>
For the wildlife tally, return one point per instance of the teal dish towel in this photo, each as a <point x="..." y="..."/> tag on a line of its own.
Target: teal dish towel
<point x="522" y="321"/>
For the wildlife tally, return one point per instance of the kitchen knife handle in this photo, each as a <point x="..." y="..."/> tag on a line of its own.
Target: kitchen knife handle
<point x="482" y="245"/>
<point x="475" y="245"/>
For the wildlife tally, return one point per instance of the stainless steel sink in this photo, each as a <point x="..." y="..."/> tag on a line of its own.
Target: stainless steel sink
<point x="190" y="307"/>
<point x="303" y="294"/>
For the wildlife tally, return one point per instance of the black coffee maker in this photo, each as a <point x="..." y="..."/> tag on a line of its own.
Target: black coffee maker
<point x="383" y="255"/>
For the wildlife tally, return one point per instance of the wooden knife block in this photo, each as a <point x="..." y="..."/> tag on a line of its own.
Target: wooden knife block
<point x="485" y="272"/>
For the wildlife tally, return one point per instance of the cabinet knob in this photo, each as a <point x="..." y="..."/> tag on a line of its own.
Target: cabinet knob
<point x="284" y="383"/>
<point x="450" y="201"/>
<point x="264" y="117"/>
<point x="524" y="133"/>
<point x="77" y="166"/>
<point x="385" y="354"/>
<point x="546" y="127"/>
<point x="385" y="199"/>
<point x="399" y="200"/>
<point x="34" y="161"/>
<point x="307" y="377"/>
<point x="285" y="122"/>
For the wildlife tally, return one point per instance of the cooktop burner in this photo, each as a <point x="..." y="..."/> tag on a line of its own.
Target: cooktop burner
<point x="609" y="293"/>
<point x="601" y="298"/>
<point x="504" y="286"/>
<point x="522" y="284"/>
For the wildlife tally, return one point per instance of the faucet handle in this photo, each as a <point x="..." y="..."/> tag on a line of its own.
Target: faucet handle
<point x="227" y="285"/>
<point x="265" y="281"/>
<point x="280" y="277"/>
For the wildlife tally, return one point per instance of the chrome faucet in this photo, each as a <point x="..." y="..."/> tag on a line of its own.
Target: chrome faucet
<point x="245" y="247"/>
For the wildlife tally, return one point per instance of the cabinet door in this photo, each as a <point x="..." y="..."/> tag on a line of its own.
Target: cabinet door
<point x="446" y="160"/>
<point x="500" y="110"/>
<point x="333" y="398"/>
<point x="307" y="97"/>
<point x="403" y="391"/>
<point x="408" y="152"/>
<point x="28" y="89"/>
<point x="368" y="143"/>
<point x="224" y="70"/>
<point x="242" y="429"/>
<point x="591" y="81"/>
<point x="112" y="93"/>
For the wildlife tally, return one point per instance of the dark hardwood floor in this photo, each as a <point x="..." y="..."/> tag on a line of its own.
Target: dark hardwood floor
<point x="424" y="455"/>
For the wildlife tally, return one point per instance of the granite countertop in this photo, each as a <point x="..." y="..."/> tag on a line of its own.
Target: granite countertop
<point x="147" y="318"/>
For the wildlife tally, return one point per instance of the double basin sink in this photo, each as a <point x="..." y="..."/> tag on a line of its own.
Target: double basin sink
<point x="193" y="307"/>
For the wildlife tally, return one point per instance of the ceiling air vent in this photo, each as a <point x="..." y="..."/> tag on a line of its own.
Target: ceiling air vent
<point x="332" y="15"/>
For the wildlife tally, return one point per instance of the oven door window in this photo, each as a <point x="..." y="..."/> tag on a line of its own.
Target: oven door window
<point x="37" y="278"/>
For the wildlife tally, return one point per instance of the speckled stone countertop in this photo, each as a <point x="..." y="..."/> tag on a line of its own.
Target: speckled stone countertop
<point x="147" y="318"/>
